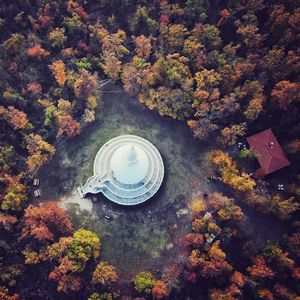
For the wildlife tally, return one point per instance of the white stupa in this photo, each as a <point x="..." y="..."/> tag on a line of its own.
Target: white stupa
<point x="128" y="170"/>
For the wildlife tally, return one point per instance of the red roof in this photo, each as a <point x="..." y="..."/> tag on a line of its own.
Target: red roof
<point x="269" y="152"/>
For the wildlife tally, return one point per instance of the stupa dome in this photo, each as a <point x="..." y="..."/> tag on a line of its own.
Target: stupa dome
<point x="128" y="170"/>
<point x="129" y="164"/>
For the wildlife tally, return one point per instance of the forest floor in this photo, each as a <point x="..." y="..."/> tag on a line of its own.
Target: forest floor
<point x="148" y="236"/>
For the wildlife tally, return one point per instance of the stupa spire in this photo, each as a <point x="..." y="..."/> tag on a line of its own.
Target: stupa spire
<point x="132" y="155"/>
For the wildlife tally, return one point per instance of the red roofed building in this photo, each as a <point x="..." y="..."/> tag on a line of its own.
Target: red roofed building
<point x="269" y="152"/>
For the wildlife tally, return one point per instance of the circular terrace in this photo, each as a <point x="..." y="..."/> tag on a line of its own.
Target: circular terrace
<point x="128" y="170"/>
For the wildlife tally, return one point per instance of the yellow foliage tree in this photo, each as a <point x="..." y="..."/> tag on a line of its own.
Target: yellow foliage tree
<point x="40" y="151"/>
<point x="230" y="173"/>
<point x="197" y="206"/>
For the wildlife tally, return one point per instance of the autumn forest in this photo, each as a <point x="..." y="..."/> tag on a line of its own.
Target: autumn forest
<point x="225" y="70"/>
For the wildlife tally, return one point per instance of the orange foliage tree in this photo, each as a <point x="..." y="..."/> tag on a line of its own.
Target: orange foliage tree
<point x="4" y="294"/>
<point x="159" y="290"/>
<point x="86" y="85"/>
<point x="67" y="125"/>
<point x="142" y="46"/>
<point x="37" y="52"/>
<point x="7" y="221"/>
<point x="265" y="294"/>
<point x="59" y="71"/>
<point x="214" y="264"/>
<point x="225" y="13"/>
<point x="230" y="293"/>
<point x="259" y="269"/>
<point x="71" y="254"/>
<point x="201" y="128"/>
<point x="238" y="279"/>
<point x="136" y="75"/>
<point x="113" y="50"/>
<point x="66" y="280"/>
<point x="286" y="92"/>
<point x="193" y="240"/>
<point x="284" y="293"/>
<point x="18" y="119"/>
<point x="293" y="243"/>
<point x="45" y="222"/>
<point x="34" y="87"/>
<point x="74" y="7"/>
<point x="104" y="274"/>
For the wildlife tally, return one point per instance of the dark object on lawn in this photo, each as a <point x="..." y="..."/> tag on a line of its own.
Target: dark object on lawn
<point x="36" y="182"/>
<point x="37" y="193"/>
<point x="280" y="187"/>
